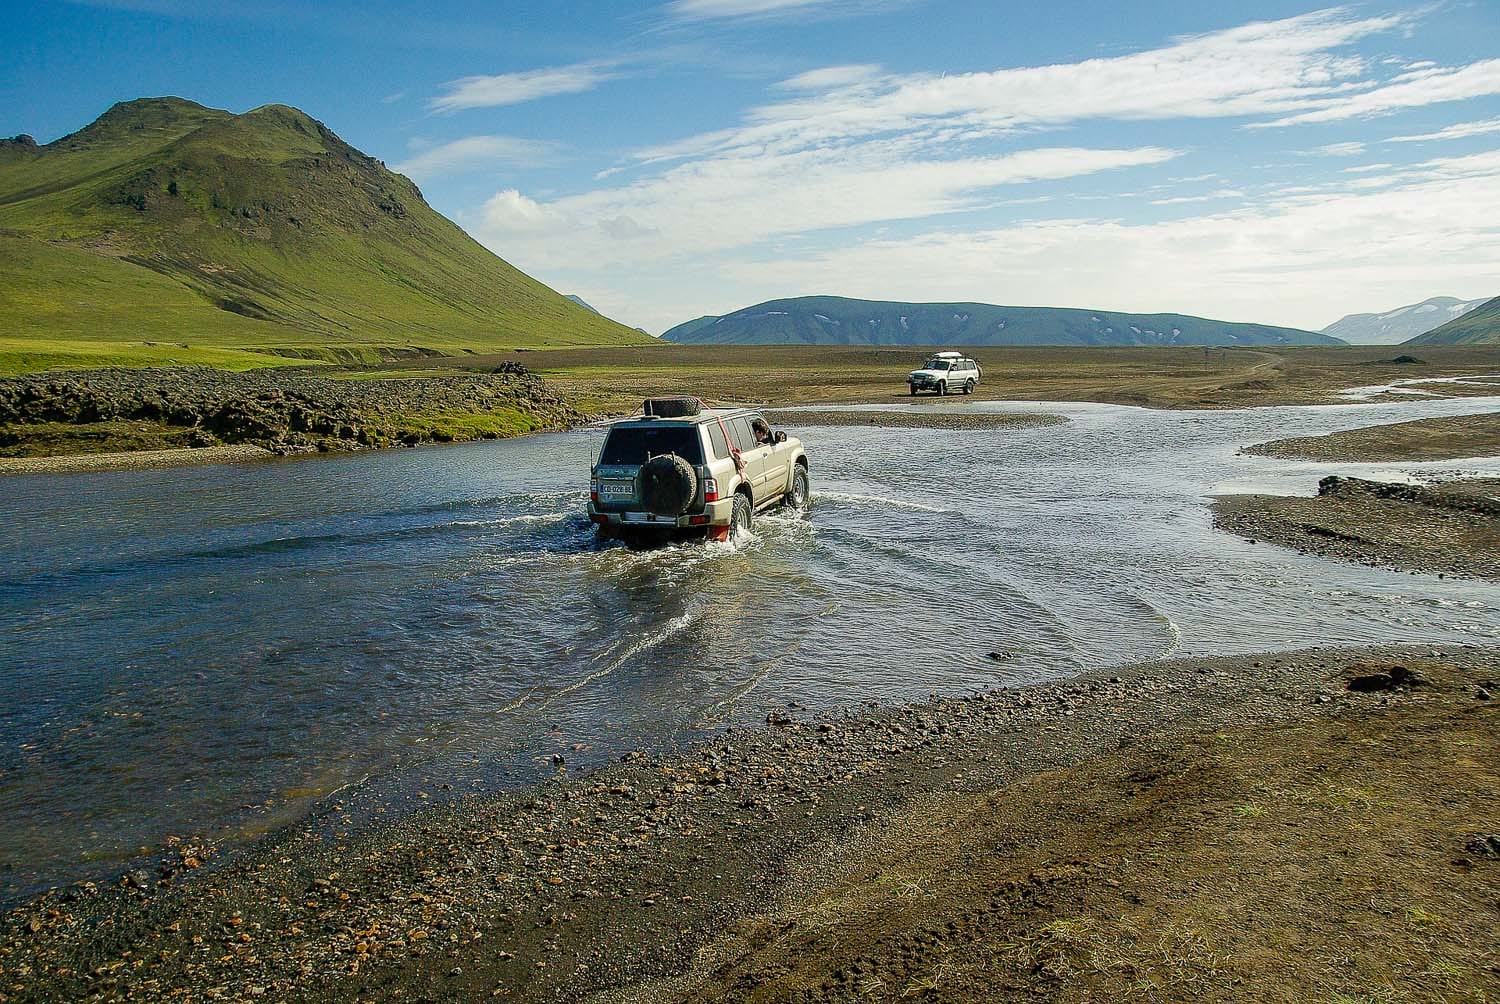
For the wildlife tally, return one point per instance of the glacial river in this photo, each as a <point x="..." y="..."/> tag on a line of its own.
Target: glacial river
<point x="212" y="650"/>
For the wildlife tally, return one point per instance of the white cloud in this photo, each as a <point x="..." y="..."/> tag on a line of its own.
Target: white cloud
<point x="513" y="213"/>
<point x="1412" y="90"/>
<point x="1460" y="130"/>
<point x="714" y="9"/>
<point x="730" y="202"/>
<point x="829" y="77"/>
<point x="516" y="88"/>
<point x="1274" y="67"/>
<point x="1295" y="260"/>
<point x="474" y="152"/>
<point x="1340" y="150"/>
<point x="1223" y="193"/>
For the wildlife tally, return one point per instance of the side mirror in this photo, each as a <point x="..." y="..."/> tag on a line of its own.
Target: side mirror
<point x="780" y="437"/>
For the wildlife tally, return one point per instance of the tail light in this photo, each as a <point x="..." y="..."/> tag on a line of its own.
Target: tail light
<point x="593" y="491"/>
<point x="710" y="490"/>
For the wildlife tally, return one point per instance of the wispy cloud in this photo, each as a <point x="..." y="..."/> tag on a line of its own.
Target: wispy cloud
<point x="705" y="10"/>
<point x="729" y="202"/>
<point x="516" y="88"/>
<point x="1460" y="130"/>
<point x="1340" y="150"/>
<point x="1223" y="193"/>
<point x="829" y="77"/>
<point x="1415" y="89"/>
<point x="475" y="152"/>
<point x="1265" y="68"/>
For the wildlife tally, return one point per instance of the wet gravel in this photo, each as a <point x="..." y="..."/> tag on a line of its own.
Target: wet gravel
<point x="1444" y="528"/>
<point x="583" y="884"/>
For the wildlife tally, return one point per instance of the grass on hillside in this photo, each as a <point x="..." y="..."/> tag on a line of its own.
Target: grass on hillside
<point x="167" y="222"/>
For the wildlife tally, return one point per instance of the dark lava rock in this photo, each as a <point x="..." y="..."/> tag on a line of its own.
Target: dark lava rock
<point x="1484" y="845"/>
<point x="1397" y="676"/>
<point x="280" y="410"/>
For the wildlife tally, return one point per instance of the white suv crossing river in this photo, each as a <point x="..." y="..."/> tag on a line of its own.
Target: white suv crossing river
<point x="683" y="468"/>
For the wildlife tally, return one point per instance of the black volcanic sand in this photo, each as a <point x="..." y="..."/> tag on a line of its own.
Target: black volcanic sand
<point x="1312" y="825"/>
<point x="1449" y="528"/>
<point x="912" y="419"/>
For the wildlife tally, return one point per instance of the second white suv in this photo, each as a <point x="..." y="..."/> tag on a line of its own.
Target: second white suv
<point x="946" y="373"/>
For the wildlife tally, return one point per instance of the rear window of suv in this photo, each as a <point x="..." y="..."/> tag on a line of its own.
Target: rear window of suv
<point x="637" y="444"/>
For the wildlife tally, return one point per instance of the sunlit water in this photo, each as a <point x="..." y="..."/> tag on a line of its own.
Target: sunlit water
<point x="209" y="649"/>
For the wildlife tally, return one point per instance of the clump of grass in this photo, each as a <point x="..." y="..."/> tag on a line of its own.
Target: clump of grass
<point x="1249" y="811"/>
<point x="1418" y="917"/>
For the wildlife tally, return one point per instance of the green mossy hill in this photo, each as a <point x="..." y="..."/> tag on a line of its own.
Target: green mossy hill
<point x="255" y="233"/>
<point x="1480" y="326"/>
<point x="835" y="320"/>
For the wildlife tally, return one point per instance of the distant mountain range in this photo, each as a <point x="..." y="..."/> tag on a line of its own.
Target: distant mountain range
<point x="834" y="320"/>
<point x="167" y="231"/>
<point x="1402" y="324"/>
<point x="1480" y="326"/>
<point x="580" y="301"/>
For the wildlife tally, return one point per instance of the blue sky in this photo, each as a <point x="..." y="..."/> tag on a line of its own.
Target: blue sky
<point x="1280" y="162"/>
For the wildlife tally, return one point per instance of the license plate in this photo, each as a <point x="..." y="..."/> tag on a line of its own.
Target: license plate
<point x="617" y="490"/>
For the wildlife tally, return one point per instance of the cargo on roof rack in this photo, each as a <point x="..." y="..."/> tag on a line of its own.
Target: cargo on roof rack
<point x="671" y="407"/>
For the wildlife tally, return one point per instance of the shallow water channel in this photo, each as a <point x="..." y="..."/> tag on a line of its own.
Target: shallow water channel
<point x="211" y="650"/>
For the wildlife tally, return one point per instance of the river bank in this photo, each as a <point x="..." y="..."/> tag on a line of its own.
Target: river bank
<point x="1444" y="527"/>
<point x="172" y="413"/>
<point x="1450" y="438"/>
<point x="1178" y="825"/>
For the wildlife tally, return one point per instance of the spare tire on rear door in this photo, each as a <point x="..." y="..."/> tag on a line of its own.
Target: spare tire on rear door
<point x="668" y="485"/>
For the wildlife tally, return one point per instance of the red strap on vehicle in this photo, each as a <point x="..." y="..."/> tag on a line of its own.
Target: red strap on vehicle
<point x="739" y="464"/>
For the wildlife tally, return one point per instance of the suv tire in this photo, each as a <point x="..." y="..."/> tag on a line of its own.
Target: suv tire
<point x="797" y="493"/>
<point x="740" y="517"/>
<point x="969" y="387"/>
<point x="943" y="389"/>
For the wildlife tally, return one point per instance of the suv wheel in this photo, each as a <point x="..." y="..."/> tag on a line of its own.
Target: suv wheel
<point x="943" y="389"/>
<point x="739" y="518"/>
<point x="969" y="387"/>
<point x="913" y="389"/>
<point x="796" y="496"/>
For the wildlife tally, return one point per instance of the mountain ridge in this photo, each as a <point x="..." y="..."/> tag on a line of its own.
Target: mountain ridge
<point x="254" y="234"/>
<point x="834" y="320"/>
<point x="1480" y="326"/>
<point x="1392" y="327"/>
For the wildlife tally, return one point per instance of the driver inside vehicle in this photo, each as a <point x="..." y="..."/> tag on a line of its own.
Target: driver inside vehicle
<point x="762" y="432"/>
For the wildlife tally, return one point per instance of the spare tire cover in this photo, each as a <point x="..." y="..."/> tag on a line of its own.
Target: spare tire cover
<point x="668" y="485"/>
